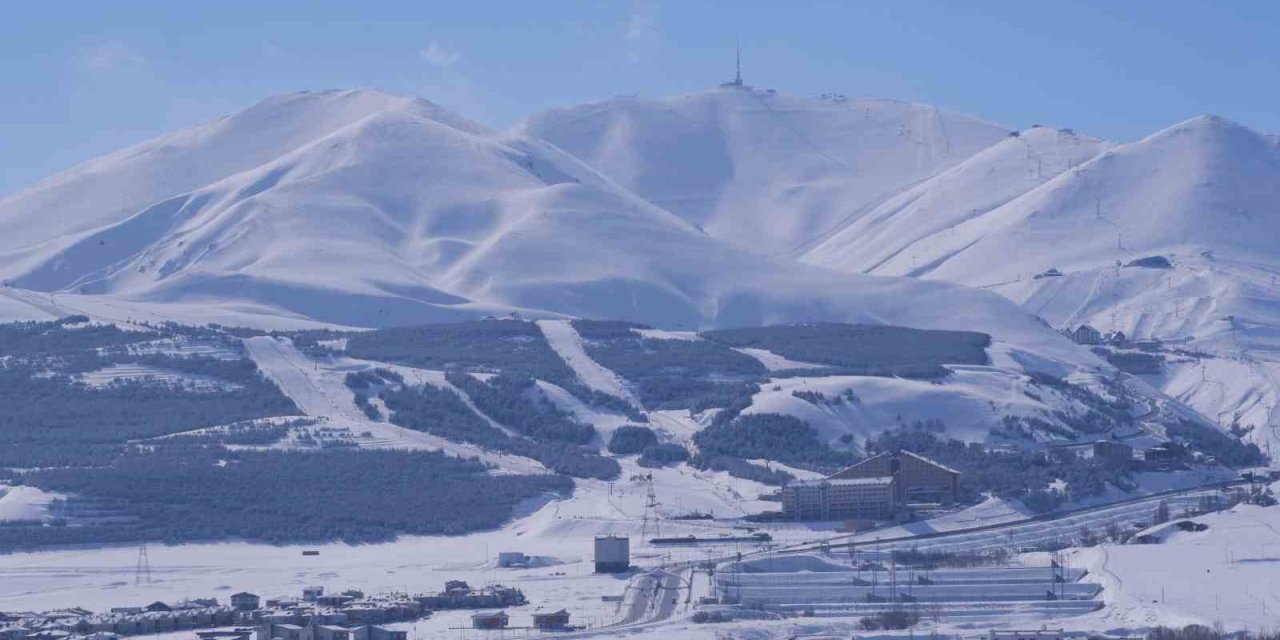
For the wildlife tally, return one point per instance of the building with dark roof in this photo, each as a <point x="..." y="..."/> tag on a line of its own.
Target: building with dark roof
<point x="917" y="479"/>
<point x="1085" y="334"/>
<point x="551" y="621"/>
<point x="245" y="601"/>
<point x="489" y="620"/>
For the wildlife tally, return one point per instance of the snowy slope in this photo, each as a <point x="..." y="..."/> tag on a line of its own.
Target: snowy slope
<point x="1203" y="185"/>
<point x="105" y="191"/>
<point x="1223" y="575"/>
<point x="1204" y="194"/>
<point x="396" y="212"/>
<point x="764" y="170"/>
<point x="883" y="241"/>
<point x="566" y="342"/>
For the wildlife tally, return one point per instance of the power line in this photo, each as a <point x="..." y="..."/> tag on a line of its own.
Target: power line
<point x="143" y="570"/>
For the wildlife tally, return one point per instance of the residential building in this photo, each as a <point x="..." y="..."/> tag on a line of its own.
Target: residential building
<point x="1113" y="450"/>
<point x="840" y="498"/>
<point x="1166" y="452"/>
<point x="489" y="620"/>
<point x="1085" y="334"/>
<point x="917" y="479"/>
<point x="245" y="601"/>
<point x="612" y="554"/>
<point x="552" y="621"/>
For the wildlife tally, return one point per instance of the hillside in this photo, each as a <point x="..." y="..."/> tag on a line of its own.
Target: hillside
<point x="370" y="210"/>
<point x="887" y="239"/>
<point x="1203" y="185"/>
<point x="143" y="428"/>
<point x="1166" y="238"/>
<point x="653" y="315"/>
<point x="764" y="170"/>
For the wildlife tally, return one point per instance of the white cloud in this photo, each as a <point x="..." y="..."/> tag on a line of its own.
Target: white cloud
<point x="643" y="29"/>
<point x="110" y="56"/>
<point x="440" y="55"/>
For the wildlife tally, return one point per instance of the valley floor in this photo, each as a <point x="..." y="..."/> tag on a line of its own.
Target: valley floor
<point x="1226" y="574"/>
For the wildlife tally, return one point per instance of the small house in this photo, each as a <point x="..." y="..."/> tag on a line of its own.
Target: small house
<point x="489" y="620"/>
<point x="334" y="600"/>
<point x="311" y="594"/>
<point x="245" y="601"/>
<point x="552" y="621"/>
<point x="1085" y="334"/>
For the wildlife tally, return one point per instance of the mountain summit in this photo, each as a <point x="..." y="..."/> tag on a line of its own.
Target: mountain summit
<point x="764" y="170"/>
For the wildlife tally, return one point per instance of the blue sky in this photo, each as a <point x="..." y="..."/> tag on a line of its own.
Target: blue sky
<point x="81" y="79"/>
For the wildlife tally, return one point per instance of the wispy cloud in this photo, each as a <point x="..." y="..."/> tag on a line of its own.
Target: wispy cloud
<point x="440" y="55"/>
<point x="643" y="29"/>
<point x="110" y="56"/>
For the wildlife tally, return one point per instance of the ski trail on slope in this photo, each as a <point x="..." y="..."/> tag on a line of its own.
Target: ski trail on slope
<point x="437" y="379"/>
<point x="566" y="342"/>
<point x="321" y="392"/>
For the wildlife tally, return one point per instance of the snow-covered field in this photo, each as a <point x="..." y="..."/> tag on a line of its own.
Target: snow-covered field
<point x="1234" y="558"/>
<point x="561" y="532"/>
<point x="1228" y="574"/>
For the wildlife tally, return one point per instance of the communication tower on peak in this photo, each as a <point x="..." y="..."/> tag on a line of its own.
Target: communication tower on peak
<point x="737" y="76"/>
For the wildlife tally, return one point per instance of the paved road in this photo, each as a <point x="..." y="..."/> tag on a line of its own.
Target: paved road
<point x="656" y="596"/>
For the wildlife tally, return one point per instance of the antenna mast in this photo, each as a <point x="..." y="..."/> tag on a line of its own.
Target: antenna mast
<point x="737" y="77"/>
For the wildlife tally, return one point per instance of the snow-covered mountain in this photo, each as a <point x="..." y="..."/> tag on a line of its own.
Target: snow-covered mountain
<point x="359" y="208"/>
<point x="767" y="171"/>
<point x="1203" y="194"/>
<point x="885" y="239"/>
<point x="364" y="209"/>
<point x="1203" y="185"/>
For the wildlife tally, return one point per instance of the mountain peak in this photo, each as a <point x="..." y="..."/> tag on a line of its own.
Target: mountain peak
<point x="1209" y="125"/>
<point x="765" y="170"/>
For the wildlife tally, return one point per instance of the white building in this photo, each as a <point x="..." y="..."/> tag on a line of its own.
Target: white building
<point x="840" y="498"/>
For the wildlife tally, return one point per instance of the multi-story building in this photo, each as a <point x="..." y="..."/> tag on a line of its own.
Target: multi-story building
<point x="840" y="498"/>
<point x="917" y="479"/>
<point x="1113" y="450"/>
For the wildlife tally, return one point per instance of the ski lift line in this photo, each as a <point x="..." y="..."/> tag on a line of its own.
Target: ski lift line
<point x="998" y="284"/>
<point x="816" y="149"/>
<point x="1093" y="291"/>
